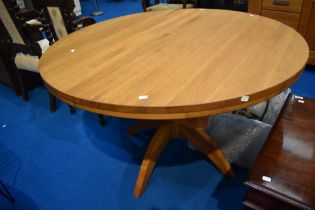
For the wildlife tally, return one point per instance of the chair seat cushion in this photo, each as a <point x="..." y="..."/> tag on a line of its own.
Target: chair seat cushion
<point x="44" y="44"/>
<point x="26" y="62"/>
<point x="163" y="6"/>
<point x="34" y="22"/>
<point x="29" y="62"/>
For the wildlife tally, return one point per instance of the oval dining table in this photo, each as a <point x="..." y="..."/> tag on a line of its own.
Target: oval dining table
<point x="173" y="69"/>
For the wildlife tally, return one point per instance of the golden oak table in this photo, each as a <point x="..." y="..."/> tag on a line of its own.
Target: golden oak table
<point x="173" y="69"/>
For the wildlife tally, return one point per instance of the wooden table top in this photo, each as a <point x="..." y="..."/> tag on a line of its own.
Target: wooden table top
<point x="174" y="64"/>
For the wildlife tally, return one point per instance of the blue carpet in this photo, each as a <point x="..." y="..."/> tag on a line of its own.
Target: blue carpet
<point x="53" y="161"/>
<point x="59" y="161"/>
<point x="111" y="8"/>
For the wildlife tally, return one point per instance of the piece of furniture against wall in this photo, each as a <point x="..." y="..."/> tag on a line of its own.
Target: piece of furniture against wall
<point x="307" y="27"/>
<point x="299" y="14"/>
<point x="283" y="174"/>
<point x="169" y="4"/>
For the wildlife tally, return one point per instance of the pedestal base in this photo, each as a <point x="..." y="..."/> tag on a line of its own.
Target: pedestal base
<point x="192" y="130"/>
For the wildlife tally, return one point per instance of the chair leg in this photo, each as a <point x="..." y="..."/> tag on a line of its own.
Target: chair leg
<point x="101" y="120"/>
<point x="71" y="109"/>
<point x="24" y="95"/>
<point x="23" y="90"/>
<point x="17" y="92"/>
<point x="6" y="193"/>
<point x="52" y="102"/>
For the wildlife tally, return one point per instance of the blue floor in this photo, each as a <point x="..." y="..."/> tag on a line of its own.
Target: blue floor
<point x="111" y="8"/>
<point x="54" y="161"/>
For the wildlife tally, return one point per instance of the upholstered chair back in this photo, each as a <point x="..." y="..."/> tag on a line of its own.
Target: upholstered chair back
<point x="15" y="34"/>
<point x="9" y="24"/>
<point x="59" y="14"/>
<point x="57" y="21"/>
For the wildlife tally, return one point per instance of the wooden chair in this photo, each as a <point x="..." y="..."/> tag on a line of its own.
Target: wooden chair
<point x="169" y="4"/>
<point x="58" y="18"/>
<point x="20" y="52"/>
<point x="58" y="21"/>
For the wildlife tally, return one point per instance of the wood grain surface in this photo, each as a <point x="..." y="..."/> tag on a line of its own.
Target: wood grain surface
<point x="290" y="18"/>
<point x="189" y="63"/>
<point x="288" y="158"/>
<point x="292" y="6"/>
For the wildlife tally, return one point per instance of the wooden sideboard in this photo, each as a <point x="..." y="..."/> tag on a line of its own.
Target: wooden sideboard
<point x="282" y="177"/>
<point x="299" y="14"/>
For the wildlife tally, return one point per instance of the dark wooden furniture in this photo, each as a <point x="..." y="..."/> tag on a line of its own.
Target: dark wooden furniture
<point x="16" y="43"/>
<point x="168" y="4"/>
<point x="288" y="158"/>
<point x="7" y="77"/>
<point x="59" y="19"/>
<point x="299" y="14"/>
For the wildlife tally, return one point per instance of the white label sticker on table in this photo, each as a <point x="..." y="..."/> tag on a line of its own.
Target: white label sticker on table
<point x="301" y="101"/>
<point x="298" y="97"/>
<point x="245" y="98"/>
<point x="143" y="97"/>
<point x="266" y="178"/>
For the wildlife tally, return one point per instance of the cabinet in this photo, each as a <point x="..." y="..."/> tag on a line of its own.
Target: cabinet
<point x="282" y="177"/>
<point x="299" y="14"/>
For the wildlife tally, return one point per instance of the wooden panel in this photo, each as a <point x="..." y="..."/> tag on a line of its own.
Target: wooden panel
<point x="254" y="6"/>
<point x="310" y="34"/>
<point x="258" y="200"/>
<point x="305" y="17"/>
<point x="292" y="6"/>
<point x="311" y="40"/>
<point x="188" y="62"/>
<point x="291" y="19"/>
<point x="288" y="157"/>
<point x="311" y="59"/>
<point x="307" y="27"/>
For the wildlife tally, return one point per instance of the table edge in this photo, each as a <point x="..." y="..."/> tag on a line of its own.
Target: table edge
<point x="176" y="112"/>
